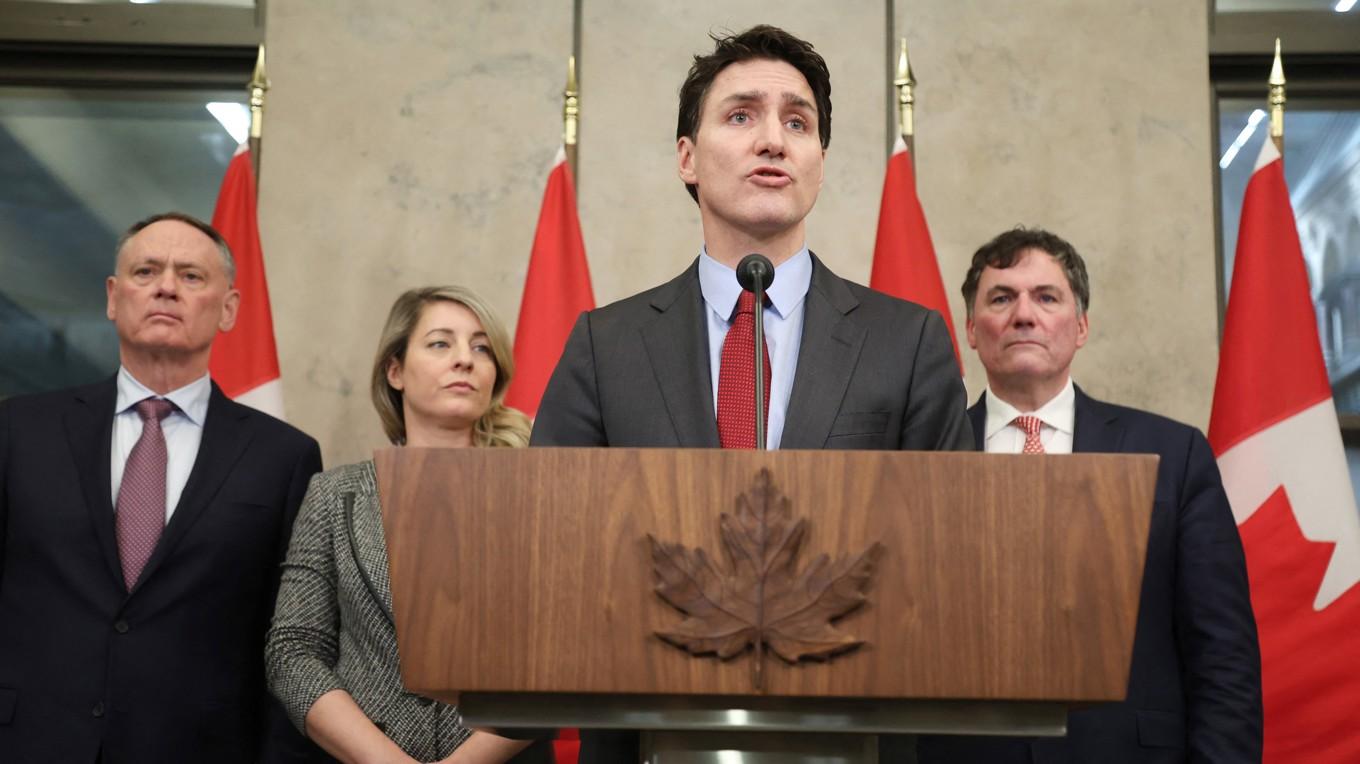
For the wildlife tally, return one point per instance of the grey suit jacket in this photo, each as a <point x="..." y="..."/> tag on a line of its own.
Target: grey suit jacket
<point x="333" y="623"/>
<point x="874" y="372"/>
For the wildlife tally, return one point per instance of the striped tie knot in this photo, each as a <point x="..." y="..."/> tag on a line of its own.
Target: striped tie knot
<point x="1031" y="426"/>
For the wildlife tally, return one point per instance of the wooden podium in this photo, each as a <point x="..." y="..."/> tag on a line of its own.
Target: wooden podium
<point x="524" y="585"/>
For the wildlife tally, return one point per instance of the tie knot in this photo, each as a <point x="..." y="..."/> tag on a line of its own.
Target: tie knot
<point x="746" y="303"/>
<point x="154" y="408"/>
<point x="1029" y="424"/>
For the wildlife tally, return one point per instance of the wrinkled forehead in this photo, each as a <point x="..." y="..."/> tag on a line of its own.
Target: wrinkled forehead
<point x="1031" y="269"/>
<point x="761" y="79"/>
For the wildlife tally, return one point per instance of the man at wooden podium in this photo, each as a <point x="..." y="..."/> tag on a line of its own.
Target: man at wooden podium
<point x="847" y="367"/>
<point x="1195" y="683"/>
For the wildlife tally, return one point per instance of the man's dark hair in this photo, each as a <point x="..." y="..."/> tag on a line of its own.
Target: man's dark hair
<point x="1003" y="252"/>
<point x="228" y="262"/>
<point x="758" y="42"/>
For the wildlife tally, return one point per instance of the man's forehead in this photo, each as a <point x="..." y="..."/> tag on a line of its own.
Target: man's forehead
<point x="758" y="78"/>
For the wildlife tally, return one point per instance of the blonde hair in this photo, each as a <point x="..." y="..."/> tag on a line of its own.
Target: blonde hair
<point x="501" y="425"/>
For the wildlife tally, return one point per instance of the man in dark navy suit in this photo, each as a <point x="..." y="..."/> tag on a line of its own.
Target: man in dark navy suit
<point x="142" y="521"/>
<point x="1195" y="685"/>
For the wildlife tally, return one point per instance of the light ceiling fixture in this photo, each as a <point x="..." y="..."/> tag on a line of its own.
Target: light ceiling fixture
<point x="1344" y="5"/>
<point x="234" y="118"/>
<point x="1242" y="138"/>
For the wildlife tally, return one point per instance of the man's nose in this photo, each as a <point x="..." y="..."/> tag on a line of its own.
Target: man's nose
<point x="167" y="282"/>
<point x="1024" y="311"/>
<point x="770" y="138"/>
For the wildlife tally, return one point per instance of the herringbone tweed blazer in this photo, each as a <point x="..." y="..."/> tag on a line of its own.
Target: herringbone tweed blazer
<point x="333" y="625"/>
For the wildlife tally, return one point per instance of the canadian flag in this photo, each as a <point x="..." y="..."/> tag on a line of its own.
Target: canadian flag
<point x="904" y="258"/>
<point x="1274" y="430"/>
<point x="556" y="290"/>
<point x="245" y="361"/>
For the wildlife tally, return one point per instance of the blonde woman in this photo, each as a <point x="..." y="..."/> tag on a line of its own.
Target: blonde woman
<point x="439" y="378"/>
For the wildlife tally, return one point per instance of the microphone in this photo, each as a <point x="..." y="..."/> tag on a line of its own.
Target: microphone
<point x="755" y="270"/>
<point x="755" y="273"/>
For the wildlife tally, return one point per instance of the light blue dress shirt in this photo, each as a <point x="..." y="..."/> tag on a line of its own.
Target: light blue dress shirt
<point x="783" y="326"/>
<point x="183" y="430"/>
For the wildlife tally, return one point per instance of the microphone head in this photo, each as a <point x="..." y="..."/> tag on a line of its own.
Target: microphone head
<point x="755" y="268"/>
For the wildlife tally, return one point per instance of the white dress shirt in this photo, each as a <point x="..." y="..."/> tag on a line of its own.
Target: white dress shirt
<point x="783" y="326"/>
<point x="183" y="430"/>
<point x="1002" y="437"/>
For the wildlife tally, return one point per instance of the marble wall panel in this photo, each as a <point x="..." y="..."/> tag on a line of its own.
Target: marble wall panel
<point x="1092" y="120"/>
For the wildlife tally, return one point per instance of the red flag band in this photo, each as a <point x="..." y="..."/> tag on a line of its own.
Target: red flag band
<point x="245" y="361"/>
<point x="904" y="258"/>
<point x="556" y="290"/>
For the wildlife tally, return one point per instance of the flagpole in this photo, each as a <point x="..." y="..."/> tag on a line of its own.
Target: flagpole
<point x="571" y="113"/>
<point x="906" y="100"/>
<point x="259" y="83"/>
<point x="1277" y="99"/>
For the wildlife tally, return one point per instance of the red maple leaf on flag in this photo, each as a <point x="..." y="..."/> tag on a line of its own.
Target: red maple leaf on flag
<point x="1310" y="658"/>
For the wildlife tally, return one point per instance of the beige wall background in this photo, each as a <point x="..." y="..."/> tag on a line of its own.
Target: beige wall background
<point x="408" y="144"/>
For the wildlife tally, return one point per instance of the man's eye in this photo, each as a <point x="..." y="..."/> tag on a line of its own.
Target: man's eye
<point x="1000" y="299"/>
<point x="141" y="271"/>
<point x="797" y="123"/>
<point x="193" y="276"/>
<point x="739" y="118"/>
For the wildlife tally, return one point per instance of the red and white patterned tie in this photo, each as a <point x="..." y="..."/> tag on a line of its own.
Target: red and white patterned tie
<point x="141" y="496"/>
<point x="1031" y="425"/>
<point x="737" y="379"/>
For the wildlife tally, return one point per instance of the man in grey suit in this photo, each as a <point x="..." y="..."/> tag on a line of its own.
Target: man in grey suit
<point x="849" y="367"/>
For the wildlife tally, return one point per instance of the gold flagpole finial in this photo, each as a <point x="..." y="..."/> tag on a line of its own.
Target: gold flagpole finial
<point x="259" y="83"/>
<point x="1277" y="99"/>
<point x="906" y="96"/>
<point x="571" y="104"/>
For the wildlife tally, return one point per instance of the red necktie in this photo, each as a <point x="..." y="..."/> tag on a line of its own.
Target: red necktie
<point x="1031" y="425"/>
<point x="737" y="379"/>
<point x="141" y="496"/>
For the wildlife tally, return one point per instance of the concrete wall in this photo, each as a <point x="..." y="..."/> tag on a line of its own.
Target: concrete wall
<point x="407" y="144"/>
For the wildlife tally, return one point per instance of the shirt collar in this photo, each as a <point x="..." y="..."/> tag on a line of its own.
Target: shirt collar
<point x="792" y="278"/>
<point x="1059" y="413"/>
<point x="191" y="400"/>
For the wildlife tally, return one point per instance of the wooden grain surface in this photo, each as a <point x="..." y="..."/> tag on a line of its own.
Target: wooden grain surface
<point x="1004" y="577"/>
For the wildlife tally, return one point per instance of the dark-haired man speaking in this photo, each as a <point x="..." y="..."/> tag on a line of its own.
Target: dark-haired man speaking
<point x="849" y="368"/>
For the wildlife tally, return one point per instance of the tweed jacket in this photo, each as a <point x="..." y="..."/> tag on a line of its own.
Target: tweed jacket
<point x="333" y="623"/>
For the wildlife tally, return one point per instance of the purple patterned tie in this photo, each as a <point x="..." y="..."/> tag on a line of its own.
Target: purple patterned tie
<point x="141" y="497"/>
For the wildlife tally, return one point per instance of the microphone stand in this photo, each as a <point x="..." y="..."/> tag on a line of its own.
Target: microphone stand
<point x="758" y="270"/>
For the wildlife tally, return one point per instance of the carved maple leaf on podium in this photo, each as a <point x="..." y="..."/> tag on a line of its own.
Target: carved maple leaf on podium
<point x="760" y="599"/>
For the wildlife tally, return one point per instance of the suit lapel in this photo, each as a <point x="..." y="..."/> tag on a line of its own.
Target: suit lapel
<point x="977" y="417"/>
<point x="1095" y="427"/>
<point x="89" y="431"/>
<point x="677" y="346"/>
<point x="225" y="435"/>
<point x="368" y="543"/>
<point x="827" y="356"/>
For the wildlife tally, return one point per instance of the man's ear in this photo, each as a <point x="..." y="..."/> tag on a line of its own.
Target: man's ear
<point x="1083" y="329"/>
<point x="972" y="336"/>
<point x="684" y="160"/>
<point x="230" y="307"/>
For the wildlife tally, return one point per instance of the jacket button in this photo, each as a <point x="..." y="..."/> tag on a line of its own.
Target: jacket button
<point x="98" y="709"/>
<point x="121" y="627"/>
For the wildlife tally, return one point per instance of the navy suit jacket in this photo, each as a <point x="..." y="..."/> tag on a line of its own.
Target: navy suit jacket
<point x="1195" y="681"/>
<point x="172" y="671"/>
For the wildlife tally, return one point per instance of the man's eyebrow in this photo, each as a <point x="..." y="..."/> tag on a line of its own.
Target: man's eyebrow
<point x="793" y="99"/>
<point x="745" y="97"/>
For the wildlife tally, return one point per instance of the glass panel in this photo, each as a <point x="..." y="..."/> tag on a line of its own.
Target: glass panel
<point x="76" y="169"/>
<point x="1322" y="169"/>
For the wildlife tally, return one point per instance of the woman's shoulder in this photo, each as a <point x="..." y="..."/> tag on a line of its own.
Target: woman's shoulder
<point x="359" y="477"/>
